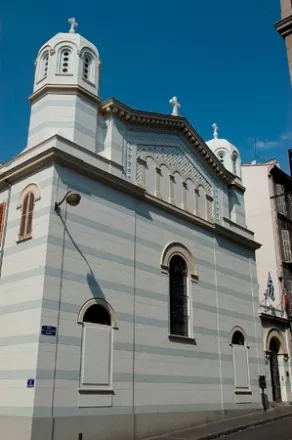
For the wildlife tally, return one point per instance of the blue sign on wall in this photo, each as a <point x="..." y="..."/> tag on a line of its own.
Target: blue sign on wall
<point x="49" y="330"/>
<point x="30" y="383"/>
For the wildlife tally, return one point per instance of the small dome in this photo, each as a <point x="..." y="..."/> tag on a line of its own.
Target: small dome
<point x="226" y="152"/>
<point x="78" y="40"/>
<point x="68" y="59"/>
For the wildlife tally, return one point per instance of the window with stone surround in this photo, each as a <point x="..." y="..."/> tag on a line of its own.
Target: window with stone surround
<point x="240" y="362"/>
<point x="2" y="221"/>
<point x="26" y="204"/>
<point x="97" y="319"/>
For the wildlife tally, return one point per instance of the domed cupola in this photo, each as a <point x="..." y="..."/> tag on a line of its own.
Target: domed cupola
<point x="227" y="153"/>
<point x="65" y="99"/>
<point x="68" y="58"/>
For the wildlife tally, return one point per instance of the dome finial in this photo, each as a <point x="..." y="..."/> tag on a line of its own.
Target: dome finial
<point x="74" y="24"/>
<point x="215" y="133"/>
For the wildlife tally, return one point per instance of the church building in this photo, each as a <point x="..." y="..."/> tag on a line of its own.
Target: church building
<point x="129" y="292"/>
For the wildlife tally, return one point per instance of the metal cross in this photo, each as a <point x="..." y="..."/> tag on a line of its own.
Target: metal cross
<point x="74" y="24"/>
<point x="215" y="133"/>
<point x="175" y="105"/>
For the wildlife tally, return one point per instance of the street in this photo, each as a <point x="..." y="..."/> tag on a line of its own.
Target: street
<point x="280" y="430"/>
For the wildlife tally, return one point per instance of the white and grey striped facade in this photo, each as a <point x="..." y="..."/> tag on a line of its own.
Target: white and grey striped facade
<point x="134" y="205"/>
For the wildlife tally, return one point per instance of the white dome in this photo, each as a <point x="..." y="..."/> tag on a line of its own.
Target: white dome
<point x="227" y="153"/>
<point x="68" y="59"/>
<point x="78" y="40"/>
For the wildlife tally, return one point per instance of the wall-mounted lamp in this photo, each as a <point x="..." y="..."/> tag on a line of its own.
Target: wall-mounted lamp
<point x="286" y="357"/>
<point x="71" y="197"/>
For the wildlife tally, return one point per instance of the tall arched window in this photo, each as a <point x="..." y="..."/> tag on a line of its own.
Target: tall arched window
<point x="26" y="203"/>
<point x="96" y="355"/>
<point x="64" y="61"/>
<point x="26" y="216"/>
<point x="43" y="66"/>
<point x="240" y="362"/>
<point x="88" y="67"/>
<point x="178" y="290"/>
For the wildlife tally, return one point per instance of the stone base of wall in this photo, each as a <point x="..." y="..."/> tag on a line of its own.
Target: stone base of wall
<point x="115" y="427"/>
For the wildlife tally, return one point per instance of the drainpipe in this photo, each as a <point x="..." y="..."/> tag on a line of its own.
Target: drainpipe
<point x="5" y="225"/>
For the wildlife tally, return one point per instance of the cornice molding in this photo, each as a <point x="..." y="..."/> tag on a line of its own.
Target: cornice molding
<point x="55" y="155"/>
<point x="284" y="27"/>
<point x="177" y="123"/>
<point x="66" y="89"/>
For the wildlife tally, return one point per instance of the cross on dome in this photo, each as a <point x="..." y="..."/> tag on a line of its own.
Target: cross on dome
<point x="175" y="105"/>
<point x="215" y="128"/>
<point x="74" y="24"/>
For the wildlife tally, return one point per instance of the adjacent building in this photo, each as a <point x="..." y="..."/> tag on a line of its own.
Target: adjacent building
<point x="268" y="207"/>
<point x="284" y="27"/>
<point x="128" y="279"/>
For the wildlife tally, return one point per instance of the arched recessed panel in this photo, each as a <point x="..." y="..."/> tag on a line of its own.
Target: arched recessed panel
<point x="177" y="190"/>
<point x="65" y="60"/>
<point x="164" y="183"/>
<point x="190" y="196"/>
<point x="150" y="175"/>
<point x="88" y="67"/>
<point x="201" y="202"/>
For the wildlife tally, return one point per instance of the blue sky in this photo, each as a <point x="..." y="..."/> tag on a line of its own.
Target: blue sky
<point x="224" y="61"/>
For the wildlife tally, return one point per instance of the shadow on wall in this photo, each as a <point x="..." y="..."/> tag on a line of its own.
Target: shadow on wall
<point x="91" y="280"/>
<point x="94" y="286"/>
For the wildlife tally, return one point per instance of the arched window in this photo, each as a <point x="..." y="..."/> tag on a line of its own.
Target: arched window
<point x="178" y="291"/>
<point x="26" y="216"/>
<point x="26" y="203"/>
<point x="240" y="362"/>
<point x="64" y="62"/>
<point x="88" y="67"/>
<point x="43" y="66"/>
<point x="97" y="319"/>
<point x="97" y="314"/>
<point x="238" y="338"/>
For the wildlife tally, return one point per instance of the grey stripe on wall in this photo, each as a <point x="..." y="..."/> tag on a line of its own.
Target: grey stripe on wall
<point x="124" y="410"/>
<point x="120" y="377"/>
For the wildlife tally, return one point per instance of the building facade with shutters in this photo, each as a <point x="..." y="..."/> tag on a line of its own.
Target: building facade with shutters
<point x="127" y="274"/>
<point x="268" y="207"/>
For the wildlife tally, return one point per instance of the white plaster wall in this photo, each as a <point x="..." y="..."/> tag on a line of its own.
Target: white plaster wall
<point x="259" y="218"/>
<point x="21" y="286"/>
<point x="117" y="252"/>
<point x="66" y="115"/>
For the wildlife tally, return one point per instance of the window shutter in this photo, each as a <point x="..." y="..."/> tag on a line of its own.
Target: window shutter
<point x="96" y="355"/>
<point x="240" y="364"/>
<point x="286" y="246"/>
<point x="29" y="214"/>
<point x="2" y="220"/>
<point x="23" y="217"/>
<point x="281" y="200"/>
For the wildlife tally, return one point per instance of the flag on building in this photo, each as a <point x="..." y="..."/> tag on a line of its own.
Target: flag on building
<point x="270" y="290"/>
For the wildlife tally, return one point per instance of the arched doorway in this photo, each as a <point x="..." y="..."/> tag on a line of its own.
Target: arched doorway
<point x="274" y="349"/>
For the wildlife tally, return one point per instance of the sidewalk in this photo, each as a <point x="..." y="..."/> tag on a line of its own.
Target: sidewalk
<point x="227" y="426"/>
